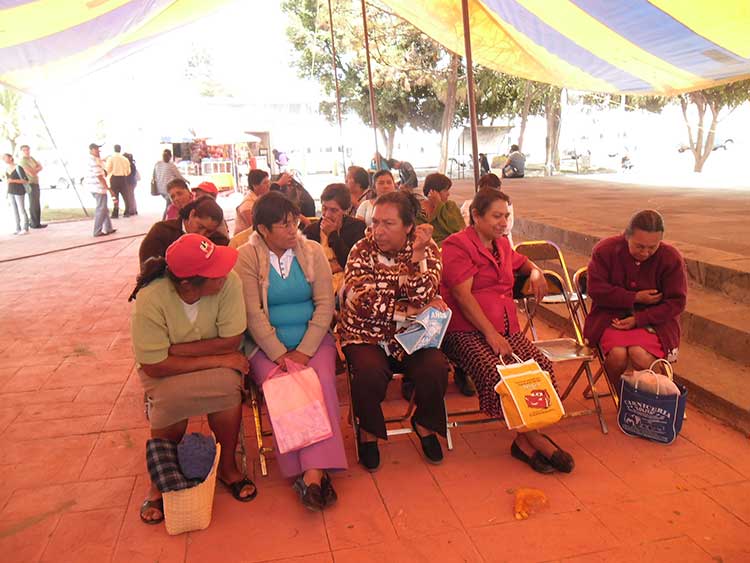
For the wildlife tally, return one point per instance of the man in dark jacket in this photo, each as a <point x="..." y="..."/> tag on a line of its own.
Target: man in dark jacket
<point x="406" y="172"/>
<point x="336" y="230"/>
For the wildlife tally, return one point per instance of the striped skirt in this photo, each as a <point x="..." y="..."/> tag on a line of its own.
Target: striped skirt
<point x="470" y="352"/>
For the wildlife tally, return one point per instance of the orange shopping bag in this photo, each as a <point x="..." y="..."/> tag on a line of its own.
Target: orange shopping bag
<point x="528" y="397"/>
<point x="296" y="407"/>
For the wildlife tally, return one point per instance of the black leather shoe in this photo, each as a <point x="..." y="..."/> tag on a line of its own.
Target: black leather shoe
<point x="369" y="455"/>
<point x="430" y="445"/>
<point x="310" y="495"/>
<point x="560" y="460"/>
<point x="537" y="462"/>
<point x="464" y="383"/>
<point x="40" y="226"/>
<point x="329" y="493"/>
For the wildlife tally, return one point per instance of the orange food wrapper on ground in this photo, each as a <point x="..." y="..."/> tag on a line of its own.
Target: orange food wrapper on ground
<point x="529" y="501"/>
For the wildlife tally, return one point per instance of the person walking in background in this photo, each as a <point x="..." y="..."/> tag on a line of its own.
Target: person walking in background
<point x="118" y="170"/>
<point x="515" y="166"/>
<point x="132" y="181"/>
<point x="16" y="179"/>
<point x="96" y="182"/>
<point x="164" y="172"/>
<point x="32" y="167"/>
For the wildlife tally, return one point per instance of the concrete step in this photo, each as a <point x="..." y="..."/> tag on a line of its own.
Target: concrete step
<point x="711" y="319"/>
<point x="716" y="385"/>
<point x="712" y="269"/>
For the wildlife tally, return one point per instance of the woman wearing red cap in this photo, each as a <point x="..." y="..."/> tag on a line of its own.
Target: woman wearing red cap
<point x="288" y="290"/>
<point x="187" y="329"/>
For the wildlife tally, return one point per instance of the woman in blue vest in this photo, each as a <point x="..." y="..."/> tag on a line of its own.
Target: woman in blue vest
<point x="288" y="289"/>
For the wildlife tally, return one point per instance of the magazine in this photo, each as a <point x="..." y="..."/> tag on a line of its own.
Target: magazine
<point x="426" y="331"/>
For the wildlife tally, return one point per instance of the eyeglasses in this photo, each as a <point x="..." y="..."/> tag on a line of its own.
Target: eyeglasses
<point x="287" y="225"/>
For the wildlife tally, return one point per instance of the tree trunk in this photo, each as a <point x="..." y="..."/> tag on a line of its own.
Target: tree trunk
<point x="553" y="113"/>
<point x="701" y="149"/>
<point x="525" y="113"/>
<point x="389" y="136"/>
<point x="448" y="112"/>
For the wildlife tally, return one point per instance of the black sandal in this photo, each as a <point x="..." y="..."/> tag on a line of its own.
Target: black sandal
<point x="329" y="493"/>
<point x="158" y="504"/>
<point x="236" y="489"/>
<point x="537" y="462"/>
<point x="430" y="445"/>
<point x="560" y="460"/>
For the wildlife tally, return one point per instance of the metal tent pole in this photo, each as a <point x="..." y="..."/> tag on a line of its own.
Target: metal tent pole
<point x="61" y="157"/>
<point x="472" y="97"/>
<point x="373" y="116"/>
<point x="336" y="80"/>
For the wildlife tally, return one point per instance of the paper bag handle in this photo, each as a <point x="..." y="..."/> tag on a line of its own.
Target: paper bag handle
<point x="516" y="358"/>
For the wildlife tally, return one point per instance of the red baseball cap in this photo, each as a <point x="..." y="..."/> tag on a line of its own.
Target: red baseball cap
<point x="208" y="187"/>
<point x="195" y="255"/>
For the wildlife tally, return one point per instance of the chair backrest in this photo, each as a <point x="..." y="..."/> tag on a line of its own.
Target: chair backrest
<point x="547" y="255"/>
<point x="581" y="285"/>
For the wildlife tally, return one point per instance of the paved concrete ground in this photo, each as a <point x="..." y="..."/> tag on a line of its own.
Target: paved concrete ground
<point x="72" y="437"/>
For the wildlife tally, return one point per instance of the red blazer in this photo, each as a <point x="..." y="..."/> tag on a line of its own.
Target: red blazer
<point x="614" y="277"/>
<point x="464" y="257"/>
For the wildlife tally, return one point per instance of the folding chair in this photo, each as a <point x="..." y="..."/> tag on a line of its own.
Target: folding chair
<point x="393" y="419"/>
<point x="580" y="284"/>
<point x="255" y="396"/>
<point x="544" y="254"/>
<point x="565" y="349"/>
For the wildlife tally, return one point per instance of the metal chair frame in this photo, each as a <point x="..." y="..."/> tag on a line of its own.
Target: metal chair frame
<point x="565" y="348"/>
<point x="255" y="397"/>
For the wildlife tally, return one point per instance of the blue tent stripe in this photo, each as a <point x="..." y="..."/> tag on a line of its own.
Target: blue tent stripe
<point x="666" y="38"/>
<point x="561" y="46"/>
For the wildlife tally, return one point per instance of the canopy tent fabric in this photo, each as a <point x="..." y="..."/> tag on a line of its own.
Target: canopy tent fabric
<point x="658" y="47"/>
<point x="45" y="42"/>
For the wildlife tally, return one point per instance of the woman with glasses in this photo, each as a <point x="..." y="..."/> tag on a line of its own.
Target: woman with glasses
<point x="289" y="301"/>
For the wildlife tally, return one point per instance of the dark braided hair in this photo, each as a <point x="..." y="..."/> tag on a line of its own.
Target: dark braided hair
<point x="156" y="267"/>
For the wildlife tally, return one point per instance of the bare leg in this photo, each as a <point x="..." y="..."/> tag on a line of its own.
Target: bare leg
<point x="226" y="425"/>
<point x="615" y="364"/>
<point x="172" y="433"/>
<point x="640" y="358"/>
<point x="539" y="443"/>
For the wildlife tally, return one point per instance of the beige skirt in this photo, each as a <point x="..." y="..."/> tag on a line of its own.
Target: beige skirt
<point x="178" y="397"/>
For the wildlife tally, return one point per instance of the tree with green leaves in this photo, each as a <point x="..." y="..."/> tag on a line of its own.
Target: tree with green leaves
<point x="406" y="65"/>
<point x="10" y="115"/>
<point x="714" y="100"/>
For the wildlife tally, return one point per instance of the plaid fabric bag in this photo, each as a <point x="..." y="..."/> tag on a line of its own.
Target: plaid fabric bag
<point x="164" y="467"/>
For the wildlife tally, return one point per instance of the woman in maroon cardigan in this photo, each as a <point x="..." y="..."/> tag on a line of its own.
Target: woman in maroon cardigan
<point x="638" y="289"/>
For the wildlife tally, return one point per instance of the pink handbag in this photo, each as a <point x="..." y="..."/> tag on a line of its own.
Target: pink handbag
<point x="296" y="407"/>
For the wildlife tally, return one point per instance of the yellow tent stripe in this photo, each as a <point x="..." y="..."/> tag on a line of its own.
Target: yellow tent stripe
<point x="178" y="13"/>
<point x="45" y="17"/>
<point x="589" y="33"/>
<point x="499" y="47"/>
<point x="725" y="22"/>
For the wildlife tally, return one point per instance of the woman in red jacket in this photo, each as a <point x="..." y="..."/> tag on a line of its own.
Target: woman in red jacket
<point x="638" y="288"/>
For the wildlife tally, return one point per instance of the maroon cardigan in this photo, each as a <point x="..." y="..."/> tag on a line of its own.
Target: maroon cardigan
<point x="614" y="277"/>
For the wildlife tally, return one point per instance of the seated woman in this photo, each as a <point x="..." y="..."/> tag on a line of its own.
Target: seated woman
<point x="258" y="184"/>
<point x="187" y="330"/>
<point x="179" y="195"/>
<point x="202" y="216"/>
<point x="289" y="301"/>
<point x="391" y="274"/>
<point x="336" y="231"/>
<point x="442" y="214"/>
<point x="477" y="284"/>
<point x="490" y="181"/>
<point x="384" y="184"/>
<point x="638" y="288"/>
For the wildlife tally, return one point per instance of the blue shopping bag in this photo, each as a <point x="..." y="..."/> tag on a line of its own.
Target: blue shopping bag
<point x="650" y="415"/>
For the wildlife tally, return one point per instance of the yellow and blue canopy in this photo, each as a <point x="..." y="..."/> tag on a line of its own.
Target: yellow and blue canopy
<point x="631" y="46"/>
<point x="50" y="41"/>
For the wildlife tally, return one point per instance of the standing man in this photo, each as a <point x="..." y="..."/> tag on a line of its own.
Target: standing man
<point x="17" y="181"/>
<point x="118" y="170"/>
<point x="32" y="168"/>
<point x="96" y="182"/>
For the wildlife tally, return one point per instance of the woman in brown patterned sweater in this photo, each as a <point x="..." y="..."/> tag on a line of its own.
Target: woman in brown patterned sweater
<point x="393" y="273"/>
